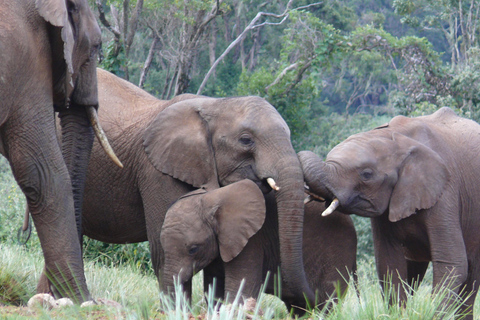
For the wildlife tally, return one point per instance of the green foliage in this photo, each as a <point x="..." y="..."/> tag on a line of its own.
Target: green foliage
<point x="294" y="105"/>
<point x="135" y="255"/>
<point x="365" y="249"/>
<point x="370" y="302"/>
<point x="12" y="288"/>
<point x="225" y="82"/>
<point x="330" y="130"/>
<point x="309" y="44"/>
<point x="12" y="208"/>
<point x="113" y="59"/>
<point x="336" y="13"/>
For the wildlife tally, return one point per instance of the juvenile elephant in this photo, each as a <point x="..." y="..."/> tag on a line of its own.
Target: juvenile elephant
<point x="417" y="179"/>
<point x="232" y="233"/>
<point x="170" y="148"/>
<point x="48" y="51"/>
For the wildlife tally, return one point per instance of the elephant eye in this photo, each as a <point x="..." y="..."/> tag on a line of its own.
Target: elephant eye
<point x="72" y="7"/>
<point x="246" y="140"/>
<point x="193" y="250"/>
<point x="367" y="174"/>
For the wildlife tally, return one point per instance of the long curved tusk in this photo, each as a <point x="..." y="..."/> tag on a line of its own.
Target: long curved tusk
<point x="273" y="184"/>
<point x="102" y="138"/>
<point x="334" y="205"/>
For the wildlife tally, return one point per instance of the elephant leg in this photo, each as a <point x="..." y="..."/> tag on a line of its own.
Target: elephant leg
<point x="448" y="251"/>
<point x="43" y="285"/>
<point x="390" y="261"/>
<point x="39" y="168"/>
<point x="77" y="141"/>
<point x="157" y="197"/>
<point x="470" y="288"/>
<point x="214" y="278"/>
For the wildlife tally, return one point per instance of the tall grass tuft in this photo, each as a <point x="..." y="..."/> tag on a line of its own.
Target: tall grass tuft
<point x="371" y="302"/>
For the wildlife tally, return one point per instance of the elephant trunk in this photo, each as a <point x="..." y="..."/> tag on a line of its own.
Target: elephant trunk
<point x="290" y="207"/>
<point x="170" y="279"/>
<point x="85" y="95"/>
<point x="77" y="141"/>
<point x="317" y="174"/>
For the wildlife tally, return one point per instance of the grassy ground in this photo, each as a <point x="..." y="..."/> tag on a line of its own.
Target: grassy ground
<point x="134" y="286"/>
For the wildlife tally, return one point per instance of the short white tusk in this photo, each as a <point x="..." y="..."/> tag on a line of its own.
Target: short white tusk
<point x="334" y="205"/>
<point x="273" y="184"/>
<point x="307" y="199"/>
<point x="102" y="138"/>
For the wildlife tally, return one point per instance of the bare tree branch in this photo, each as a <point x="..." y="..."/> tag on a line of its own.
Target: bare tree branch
<point x="133" y="25"/>
<point x="250" y="26"/>
<point x="299" y="76"/>
<point x="104" y="21"/>
<point x="281" y="75"/>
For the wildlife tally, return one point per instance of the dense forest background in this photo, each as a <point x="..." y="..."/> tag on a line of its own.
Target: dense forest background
<point x="331" y="68"/>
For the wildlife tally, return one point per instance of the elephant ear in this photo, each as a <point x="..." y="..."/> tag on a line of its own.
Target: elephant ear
<point x="240" y="213"/>
<point x="422" y="178"/>
<point x="178" y="143"/>
<point x="56" y="12"/>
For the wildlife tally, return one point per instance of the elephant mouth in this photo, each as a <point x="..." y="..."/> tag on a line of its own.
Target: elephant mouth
<point x="357" y="205"/>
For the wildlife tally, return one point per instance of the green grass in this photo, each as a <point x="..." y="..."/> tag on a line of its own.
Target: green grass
<point x="123" y="274"/>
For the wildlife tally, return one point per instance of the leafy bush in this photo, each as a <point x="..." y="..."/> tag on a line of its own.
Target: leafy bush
<point x="329" y="130"/>
<point x="135" y="255"/>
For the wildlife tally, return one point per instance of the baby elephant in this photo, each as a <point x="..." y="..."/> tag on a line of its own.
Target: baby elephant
<point x="232" y="234"/>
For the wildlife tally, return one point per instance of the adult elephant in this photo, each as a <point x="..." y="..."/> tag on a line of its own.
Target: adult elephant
<point x="417" y="179"/>
<point x="48" y="52"/>
<point x="232" y="233"/>
<point x="170" y="148"/>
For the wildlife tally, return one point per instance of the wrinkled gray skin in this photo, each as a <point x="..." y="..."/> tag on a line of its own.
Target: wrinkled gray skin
<point x="417" y="179"/>
<point x="169" y="148"/>
<point x="48" y="60"/>
<point x="232" y="234"/>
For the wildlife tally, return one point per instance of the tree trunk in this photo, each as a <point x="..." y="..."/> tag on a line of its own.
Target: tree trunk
<point x="148" y="62"/>
<point x="212" y="45"/>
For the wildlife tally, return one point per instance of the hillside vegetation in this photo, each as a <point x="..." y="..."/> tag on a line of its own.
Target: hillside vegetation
<point x="332" y="69"/>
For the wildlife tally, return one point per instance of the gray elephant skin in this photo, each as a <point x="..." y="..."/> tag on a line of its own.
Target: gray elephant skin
<point x="417" y="179"/>
<point x="170" y="148"/>
<point x="232" y="233"/>
<point x="48" y="63"/>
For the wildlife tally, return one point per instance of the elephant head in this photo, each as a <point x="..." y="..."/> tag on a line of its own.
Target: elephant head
<point x="375" y="172"/>
<point x="203" y="225"/>
<point x="211" y="143"/>
<point x="75" y="40"/>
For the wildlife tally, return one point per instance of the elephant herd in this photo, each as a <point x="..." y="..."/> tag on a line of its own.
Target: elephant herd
<point x="214" y="184"/>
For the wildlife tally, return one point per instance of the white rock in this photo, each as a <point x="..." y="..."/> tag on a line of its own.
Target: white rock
<point x="63" y="302"/>
<point x="88" y="303"/>
<point x="41" y="300"/>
